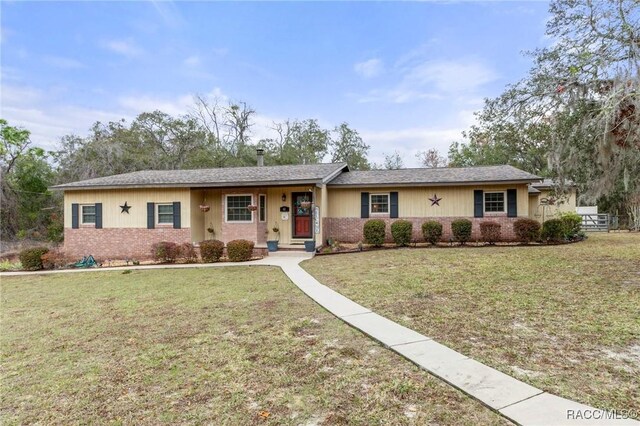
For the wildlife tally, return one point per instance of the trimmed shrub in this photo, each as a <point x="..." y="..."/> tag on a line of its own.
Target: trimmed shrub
<point x="432" y="231"/>
<point x="187" y="252"/>
<point x="165" y="252"/>
<point x="31" y="258"/>
<point x="571" y="224"/>
<point x="374" y="231"/>
<point x="526" y="230"/>
<point x="461" y="229"/>
<point x="239" y="250"/>
<point x="54" y="259"/>
<point x="490" y="232"/>
<point x="552" y="230"/>
<point x="211" y="250"/>
<point x="401" y="232"/>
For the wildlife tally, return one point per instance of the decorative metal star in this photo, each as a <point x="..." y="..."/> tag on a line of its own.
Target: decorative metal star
<point x="125" y="208"/>
<point x="435" y="201"/>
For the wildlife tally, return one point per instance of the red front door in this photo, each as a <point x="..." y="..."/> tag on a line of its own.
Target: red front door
<point x="301" y="214"/>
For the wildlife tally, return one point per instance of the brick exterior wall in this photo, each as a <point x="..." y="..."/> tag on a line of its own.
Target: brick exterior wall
<point x="119" y="243"/>
<point x="124" y="243"/>
<point x="239" y="231"/>
<point x="349" y="229"/>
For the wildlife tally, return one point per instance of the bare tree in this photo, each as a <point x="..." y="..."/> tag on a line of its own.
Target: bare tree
<point x="431" y="158"/>
<point x="227" y="128"/>
<point x="393" y="161"/>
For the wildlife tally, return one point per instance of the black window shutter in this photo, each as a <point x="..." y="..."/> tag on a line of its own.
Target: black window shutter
<point x="98" y="215"/>
<point x="478" y="203"/>
<point x="75" y="219"/>
<point x="176" y="214"/>
<point x="512" y="203"/>
<point x="364" y="205"/>
<point x="393" y="205"/>
<point x="151" y="209"/>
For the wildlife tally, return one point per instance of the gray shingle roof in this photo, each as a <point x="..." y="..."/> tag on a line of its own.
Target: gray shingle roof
<point x="550" y="183"/>
<point x="221" y="177"/>
<point x="445" y="176"/>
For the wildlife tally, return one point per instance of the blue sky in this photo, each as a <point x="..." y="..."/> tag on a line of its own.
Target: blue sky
<point x="407" y="76"/>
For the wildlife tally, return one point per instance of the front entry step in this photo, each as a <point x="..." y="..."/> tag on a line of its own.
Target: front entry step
<point x="291" y="253"/>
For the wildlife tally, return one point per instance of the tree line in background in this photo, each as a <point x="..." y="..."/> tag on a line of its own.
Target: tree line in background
<point x="575" y="116"/>
<point x="213" y="134"/>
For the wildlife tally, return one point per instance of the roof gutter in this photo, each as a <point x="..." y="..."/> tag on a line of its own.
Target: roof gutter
<point x="425" y="184"/>
<point x="188" y="185"/>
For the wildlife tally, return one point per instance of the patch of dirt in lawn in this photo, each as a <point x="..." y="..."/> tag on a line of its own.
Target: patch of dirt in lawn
<point x="629" y="354"/>
<point x="562" y="318"/>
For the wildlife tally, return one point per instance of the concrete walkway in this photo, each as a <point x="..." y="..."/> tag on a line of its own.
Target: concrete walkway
<point x="515" y="400"/>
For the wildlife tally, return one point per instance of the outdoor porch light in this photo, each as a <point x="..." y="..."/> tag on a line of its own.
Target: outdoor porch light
<point x="284" y="197"/>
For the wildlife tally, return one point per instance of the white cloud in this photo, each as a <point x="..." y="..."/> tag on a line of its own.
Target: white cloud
<point x="48" y="120"/>
<point x="146" y="103"/>
<point x="64" y="63"/>
<point x="418" y="78"/>
<point x="449" y="76"/>
<point x="169" y="13"/>
<point x="123" y="47"/>
<point x="192" y="61"/>
<point x="409" y="141"/>
<point x="370" y="68"/>
<point x="20" y="95"/>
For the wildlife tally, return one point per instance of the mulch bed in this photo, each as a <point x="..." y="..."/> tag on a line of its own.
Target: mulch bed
<point x="353" y="248"/>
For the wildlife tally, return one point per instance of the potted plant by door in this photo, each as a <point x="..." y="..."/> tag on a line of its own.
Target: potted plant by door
<point x="310" y="246"/>
<point x="272" y="245"/>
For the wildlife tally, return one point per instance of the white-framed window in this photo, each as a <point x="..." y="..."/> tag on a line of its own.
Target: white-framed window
<point x="494" y="202"/>
<point x="164" y="213"/>
<point x="236" y="208"/>
<point x="262" y="208"/>
<point x="378" y="203"/>
<point x="88" y="214"/>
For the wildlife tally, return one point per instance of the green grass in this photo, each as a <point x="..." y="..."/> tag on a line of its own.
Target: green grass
<point x="201" y="346"/>
<point x="563" y="318"/>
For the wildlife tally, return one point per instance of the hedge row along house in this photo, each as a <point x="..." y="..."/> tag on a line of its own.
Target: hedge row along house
<point x="122" y="216"/>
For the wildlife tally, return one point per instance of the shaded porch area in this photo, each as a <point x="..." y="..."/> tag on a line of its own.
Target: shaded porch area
<point x="290" y="215"/>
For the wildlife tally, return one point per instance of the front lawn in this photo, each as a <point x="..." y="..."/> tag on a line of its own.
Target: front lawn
<point x="563" y="318"/>
<point x="236" y="345"/>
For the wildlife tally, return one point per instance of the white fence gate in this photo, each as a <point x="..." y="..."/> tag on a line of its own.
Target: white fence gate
<point x="595" y="222"/>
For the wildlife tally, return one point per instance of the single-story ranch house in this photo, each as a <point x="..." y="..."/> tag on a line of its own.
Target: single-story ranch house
<point x="121" y="216"/>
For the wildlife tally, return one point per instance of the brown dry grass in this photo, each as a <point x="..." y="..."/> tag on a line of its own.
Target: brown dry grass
<point x="563" y="318"/>
<point x="201" y="346"/>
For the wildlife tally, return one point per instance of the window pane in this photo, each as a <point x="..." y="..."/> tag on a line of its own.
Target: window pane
<point x="494" y="201"/>
<point x="89" y="214"/>
<point x="379" y="203"/>
<point x="237" y="208"/>
<point x="165" y="213"/>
